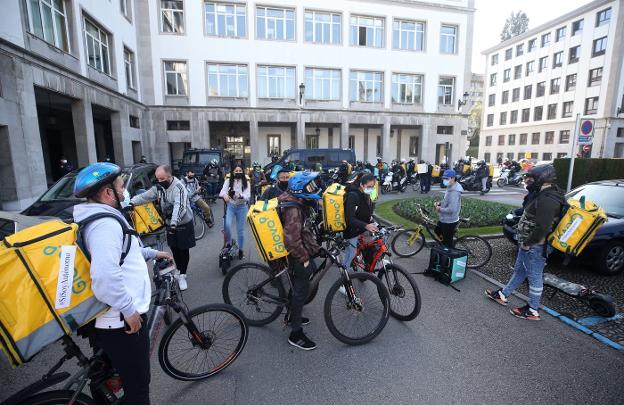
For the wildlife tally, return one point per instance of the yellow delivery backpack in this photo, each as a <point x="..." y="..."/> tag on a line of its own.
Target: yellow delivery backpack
<point x="146" y="219"/>
<point x="577" y="226"/>
<point x="266" y="227"/>
<point x="45" y="286"/>
<point x="436" y="171"/>
<point x="333" y="208"/>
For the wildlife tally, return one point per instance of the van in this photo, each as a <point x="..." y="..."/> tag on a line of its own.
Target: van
<point x="307" y="159"/>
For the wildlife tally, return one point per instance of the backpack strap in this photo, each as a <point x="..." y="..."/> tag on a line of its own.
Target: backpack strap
<point x="127" y="233"/>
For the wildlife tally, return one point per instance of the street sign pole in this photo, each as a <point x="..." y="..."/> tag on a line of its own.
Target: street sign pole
<point x="573" y="153"/>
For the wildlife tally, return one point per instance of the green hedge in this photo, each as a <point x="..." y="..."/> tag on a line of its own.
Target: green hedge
<point x="588" y="170"/>
<point x="481" y="213"/>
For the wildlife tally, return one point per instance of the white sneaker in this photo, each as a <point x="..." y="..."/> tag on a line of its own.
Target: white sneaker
<point x="182" y="282"/>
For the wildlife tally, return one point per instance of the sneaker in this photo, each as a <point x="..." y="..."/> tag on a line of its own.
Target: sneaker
<point x="496" y="296"/>
<point x="241" y="255"/>
<point x="182" y="282"/>
<point x="525" y="312"/>
<point x="301" y="341"/>
<point x="304" y="321"/>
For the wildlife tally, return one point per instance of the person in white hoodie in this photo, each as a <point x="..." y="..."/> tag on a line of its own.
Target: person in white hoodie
<point x="119" y="278"/>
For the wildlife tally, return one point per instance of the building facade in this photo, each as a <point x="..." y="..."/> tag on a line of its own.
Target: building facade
<point x="537" y="83"/>
<point x="477" y="85"/>
<point x="90" y="79"/>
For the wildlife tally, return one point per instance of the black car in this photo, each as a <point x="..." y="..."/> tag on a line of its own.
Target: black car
<point x="606" y="249"/>
<point x="59" y="200"/>
<point x="197" y="159"/>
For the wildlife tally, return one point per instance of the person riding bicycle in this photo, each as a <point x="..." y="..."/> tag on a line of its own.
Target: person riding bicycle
<point x="449" y="208"/>
<point x="297" y="204"/>
<point x="358" y="209"/>
<point x="193" y="188"/>
<point x="214" y="176"/>
<point x="482" y="174"/>
<point x="282" y="175"/>
<point x="258" y="179"/>
<point x="121" y="331"/>
<point x="537" y="221"/>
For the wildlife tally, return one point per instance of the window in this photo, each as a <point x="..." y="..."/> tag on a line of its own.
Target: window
<point x="274" y="145"/>
<point x="409" y="35"/>
<point x="577" y="27"/>
<point x="172" y="16"/>
<point x="545" y="39"/>
<point x="490" y="120"/>
<point x="407" y="89"/>
<point x="323" y="28"/>
<point x="547" y="156"/>
<point x="549" y="138"/>
<point x="322" y="84"/>
<point x="603" y="17"/>
<point x="508" y="53"/>
<point x="561" y="155"/>
<point x="176" y="80"/>
<point x="570" y="82"/>
<point x="491" y="100"/>
<point x="124" y="7"/>
<point x="444" y="130"/>
<point x="519" y="49"/>
<point x="595" y="77"/>
<point x="591" y="105"/>
<point x="555" y="84"/>
<point x="552" y="111"/>
<point x="560" y="34"/>
<point x="530" y="66"/>
<point x="512" y="139"/>
<point x="620" y="132"/>
<point x="505" y="97"/>
<point x="178" y="125"/>
<point x="488" y="140"/>
<point x="493" y="79"/>
<point x="352" y="142"/>
<point x="413" y="146"/>
<point x="515" y="94"/>
<point x="494" y="59"/>
<point x="599" y="47"/>
<point x="367" y="31"/>
<point x="513" y="118"/>
<point x="506" y="75"/>
<point x="225" y="20"/>
<point x="275" y="23"/>
<point x="564" y="136"/>
<point x="130" y="68"/>
<point x="528" y="89"/>
<point x="525" y="114"/>
<point x="540" y="89"/>
<point x="523" y="139"/>
<point x="227" y="80"/>
<point x="543" y="64"/>
<point x="446" y="90"/>
<point x="503" y="118"/>
<point x="558" y="59"/>
<point x="487" y="156"/>
<point x="366" y="87"/>
<point x="276" y="82"/>
<point x="312" y="141"/>
<point x="532" y="44"/>
<point x="501" y="139"/>
<point x="567" y="109"/>
<point x="134" y="121"/>
<point x="517" y="72"/>
<point x="47" y="20"/>
<point x="535" y="138"/>
<point x="448" y="39"/>
<point x="98" y="56"/>
<point x="499" y="156"/>
<point x="574" y="54"/>
<point x="538" y="112"/>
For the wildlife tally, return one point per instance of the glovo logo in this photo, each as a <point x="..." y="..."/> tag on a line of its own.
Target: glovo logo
<point x="152" y="216"/>
<point x="79" y="284"/>
<point x="278" y="243"/>
<point x="337" y="216"/>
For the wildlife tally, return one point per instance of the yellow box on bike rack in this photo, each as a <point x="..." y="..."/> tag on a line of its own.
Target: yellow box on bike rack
<point x="333" y="208"/>
<point x="266" y="227"/>
<point x="146" y="219"/>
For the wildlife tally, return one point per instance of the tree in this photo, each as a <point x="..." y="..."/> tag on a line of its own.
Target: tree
<point x="474" y="122"/>
<point x="515" y="24"/>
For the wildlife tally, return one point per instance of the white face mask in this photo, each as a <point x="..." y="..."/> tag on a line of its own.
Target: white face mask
<point x="126" y="200"/>
<point x="369" y="191"/>
<point x="445" y="182"/>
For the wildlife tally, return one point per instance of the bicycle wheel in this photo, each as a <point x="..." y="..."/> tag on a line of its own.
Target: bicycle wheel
<point x="479" y="250"/>
<point x="403" y="291"/>
<point x="224" y="334"/>
<point x="199" y="225"/>
<point x="357" y="324"/>
<point x="407" y="242"/>
<point x="259" y="305"/>
<point x="58" y="397"/>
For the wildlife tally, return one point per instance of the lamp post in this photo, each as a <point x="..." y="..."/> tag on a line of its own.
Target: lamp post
<point x="461" y="102"/>
<point x="301" y="92"/>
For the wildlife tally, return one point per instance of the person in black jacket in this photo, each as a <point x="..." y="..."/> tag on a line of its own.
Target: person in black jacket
<point x="280" y="185"/>
<point x="358" y="209"/>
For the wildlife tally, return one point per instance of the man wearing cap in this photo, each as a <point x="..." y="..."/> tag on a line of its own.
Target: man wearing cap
<point x="280" y="175"/>
<point x="449" y="208"/>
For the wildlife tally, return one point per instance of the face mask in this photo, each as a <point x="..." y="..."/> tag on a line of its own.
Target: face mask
<point x="165" y="184"/>
<point x="238" y="175"/>
<point x="369" y="191"/>
<point x="191" y="176"/>
<point x="63" y="161"/>
<point x="530" y="187"/>
<point x="445" y="182"/>
<point x="283" y="185"/>
<point x="126" y="199"/>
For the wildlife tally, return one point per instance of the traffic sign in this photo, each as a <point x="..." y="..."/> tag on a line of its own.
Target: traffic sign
<point x="585" y="140"/>
<point x="587" y="127"/>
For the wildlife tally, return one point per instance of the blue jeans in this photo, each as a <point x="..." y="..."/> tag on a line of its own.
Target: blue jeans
<point x="349" y="252"/>
<point x="529" y="265"/>
<point x="236" y="212"/>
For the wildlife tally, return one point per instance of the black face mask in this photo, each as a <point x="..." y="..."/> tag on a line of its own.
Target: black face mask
<point x="282" y="185"/>
<point x="238" y="176"/>
<point x="191" y="176"/>
<point x="165" y="184"/>
<point x="533" y="187"/>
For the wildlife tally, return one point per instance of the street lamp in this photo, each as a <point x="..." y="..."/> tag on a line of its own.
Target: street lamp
<point x="318" y="131"/>
<point x="461" y="102"/>
<point x="620" y="109"/>
<point x="301" y="92"/>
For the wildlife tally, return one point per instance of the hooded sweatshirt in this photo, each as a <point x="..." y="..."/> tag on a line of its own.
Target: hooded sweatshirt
<point x="174" y="202"/>
<point x="126" y="288"/>
<point x="451" y="205"/>
<point x="539" y="216"/>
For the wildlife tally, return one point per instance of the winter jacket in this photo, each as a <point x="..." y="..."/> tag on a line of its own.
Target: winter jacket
<point x="358" y="209"/>
<point x="483" y="171"/>
<point x="272" y="192"/>
<point x="240" y="196"/>
<point x="192" y="187"/>
<point x="173" y="201"/>
<point x="213" y="174"/>
<point x="298" y="236"/>
<point x="539" y="216"/>
<point x="451" y="204"/>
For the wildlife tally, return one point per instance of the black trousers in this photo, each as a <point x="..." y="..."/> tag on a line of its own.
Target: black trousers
<point x="129" y="355"/>
<point x="301" y="288"/>
<point x="446" y="232"/>
<point x="181" y="258"/>
<point x="425" y="183"/>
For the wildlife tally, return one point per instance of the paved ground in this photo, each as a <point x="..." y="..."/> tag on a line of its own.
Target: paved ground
<point x="461" y="349"/>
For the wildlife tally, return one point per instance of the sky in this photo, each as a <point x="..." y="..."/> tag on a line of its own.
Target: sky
<point x="491" y="15"/>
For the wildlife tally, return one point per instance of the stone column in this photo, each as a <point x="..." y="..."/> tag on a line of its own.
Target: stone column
<point x="365" y="145"/>
<point x="301" y="131"/>
<point x="254" y="141"/>
<point x="385" y="141"/>
<point x="82" y="115"/>
<point x="428" y="144"/>
<point x="122" y="145"/>
<point x="344" y="134"/>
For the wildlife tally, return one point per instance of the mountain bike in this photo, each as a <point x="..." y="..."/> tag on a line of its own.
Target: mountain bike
<point x="199" y="344"/>
<point x="199" y="221"/>
<point x="408" y="242"/>
<point x="355" y="314"/>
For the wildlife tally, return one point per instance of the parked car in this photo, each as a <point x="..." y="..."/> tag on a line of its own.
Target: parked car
<point x="197" y="159"/>
<point x="59" y="200"/>
<point x="605" y="251"/>
<point x="12" y="222"/>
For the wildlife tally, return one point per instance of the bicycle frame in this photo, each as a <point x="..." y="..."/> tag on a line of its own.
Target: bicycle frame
<point x="381" y="251"/>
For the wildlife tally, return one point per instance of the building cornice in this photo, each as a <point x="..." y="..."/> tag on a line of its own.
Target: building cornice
<point x="423" y="4"/>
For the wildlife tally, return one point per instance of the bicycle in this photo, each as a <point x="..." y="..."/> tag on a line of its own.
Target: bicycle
<point x="216" y="331"/>
<point x="200" y="221"/>
<point x="258" y="291"/>
<point x="408" y="242"/>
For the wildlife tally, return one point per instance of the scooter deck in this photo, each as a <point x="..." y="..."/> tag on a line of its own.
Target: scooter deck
<point x="567" y="287"/>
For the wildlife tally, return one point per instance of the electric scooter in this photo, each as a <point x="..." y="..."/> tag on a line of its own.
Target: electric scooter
<point x="602" y="304"/>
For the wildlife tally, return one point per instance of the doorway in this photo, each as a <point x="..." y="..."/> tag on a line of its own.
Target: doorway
<point x="103" y="134"/>
<point x="232" y="137"/>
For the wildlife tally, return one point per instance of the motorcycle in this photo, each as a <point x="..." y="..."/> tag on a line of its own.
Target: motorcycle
<point x="506" y="180"/>
<point x="389" y="184"/>
<point x="470" y="182"/>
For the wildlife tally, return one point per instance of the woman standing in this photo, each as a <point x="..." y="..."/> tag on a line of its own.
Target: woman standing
<point x="359" y="214"/>
<point x="236" y="192"/>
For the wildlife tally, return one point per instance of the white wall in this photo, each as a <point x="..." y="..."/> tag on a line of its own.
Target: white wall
<point x="11" y="22"/>
<point x="262" y="141"/>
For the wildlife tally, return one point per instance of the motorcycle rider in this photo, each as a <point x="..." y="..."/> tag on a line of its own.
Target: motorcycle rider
<point x="380" y="168"/>
<point x="482" y="174"/>
<point x="214" y="177"/>
<point x="398" y="172"/>
<point x="514" y="168"/>
<point x="411" y="168"/>
<point x="449" y="208"/>
<point x="344" y="170"/>
<point x="425" y="178"/>
<point x="193" y="188"/>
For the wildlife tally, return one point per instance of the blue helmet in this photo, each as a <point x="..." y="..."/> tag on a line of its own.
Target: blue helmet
<point x="277" y="169"/>
<point x="304" y="185"/>
<point x="449" y="173"/>
<point x="93" y="177"/>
